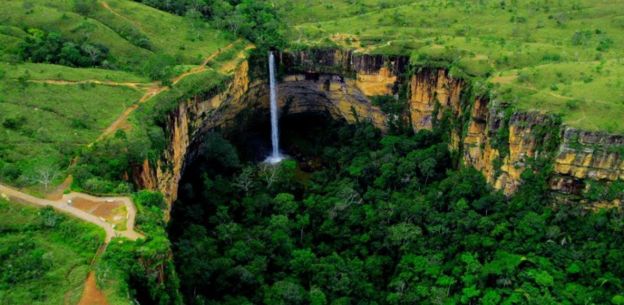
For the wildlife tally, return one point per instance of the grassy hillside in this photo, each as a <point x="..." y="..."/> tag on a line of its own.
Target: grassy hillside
<point x="52" y="106"/>
<point x="45" y="125"/>
<point x="42" y="71"/>
<point x="558" y="56"/>
<point x="44" y="256"/>
<point x="133" y="32"/>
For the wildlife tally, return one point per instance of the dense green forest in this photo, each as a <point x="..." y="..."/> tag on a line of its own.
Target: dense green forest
<point x="361" y="218"/>
<point x="90" y="95"/>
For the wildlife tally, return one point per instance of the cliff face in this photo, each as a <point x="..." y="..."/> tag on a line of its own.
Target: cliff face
<point x="593" y="155"/>
<point x="184" y="125"/>
<point x="431" y="91"/>
<point x="299" y="92"/>
<point x="499" y="143"/>
<point x="502" y="155"/>
<point x="371" y="74"/>
<point x="587" y="155"/>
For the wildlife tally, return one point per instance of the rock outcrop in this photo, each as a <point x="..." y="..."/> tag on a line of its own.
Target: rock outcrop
<point x="430" y="91"/>
<point x="501" y="145"/>
<point x="299" y="93"/>
<point x="489" y="137"/>
<point x="594" y="155"/>
<point x="183" y="126"/>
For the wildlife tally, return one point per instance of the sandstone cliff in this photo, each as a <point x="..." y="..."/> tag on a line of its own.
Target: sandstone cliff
<point x="299" y="93"/>
<point x="183" y="126"/>
<point x="486" y="134"/>
<point x="498" y="144"/>
<point x="501" y="145"/>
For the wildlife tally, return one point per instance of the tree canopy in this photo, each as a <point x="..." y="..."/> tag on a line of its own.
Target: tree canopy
<point x="386" y="220"/>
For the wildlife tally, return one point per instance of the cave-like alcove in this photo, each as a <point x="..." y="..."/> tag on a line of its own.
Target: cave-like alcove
<point x="303" y="136"/>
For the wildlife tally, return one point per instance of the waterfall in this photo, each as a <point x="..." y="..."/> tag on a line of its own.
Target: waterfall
<point x="275" y="156"/>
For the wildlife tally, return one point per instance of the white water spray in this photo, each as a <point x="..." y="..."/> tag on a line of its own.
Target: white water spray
<point x="275" y="156"/>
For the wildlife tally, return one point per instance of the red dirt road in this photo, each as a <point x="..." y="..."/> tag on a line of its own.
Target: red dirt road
<point x="91" y="294"/>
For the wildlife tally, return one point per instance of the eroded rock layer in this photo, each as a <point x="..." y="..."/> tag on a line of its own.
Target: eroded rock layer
<point x="340" y="83"/>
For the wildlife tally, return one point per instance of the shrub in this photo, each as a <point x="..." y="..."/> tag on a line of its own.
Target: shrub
<point x="604" y="44"/>
<point x="572" y="104"/>
<point x="85" y="7"/>
<point x="9" y="172"/>
<point x="50" y="47"/>
<point x="21" y="260"/>
<point x="523" y="77"/>
<point x="581" y="38"/>
<point x="14" y="123"/>
<point x="159" y="67"/>
<point x="136" y="37"/>
<point x="551" y="57"/>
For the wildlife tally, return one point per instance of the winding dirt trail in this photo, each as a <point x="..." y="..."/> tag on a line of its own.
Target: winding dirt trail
<point x="122" y="120"/>
<point x="92" y="295"/>
<point x="63" y="206"/>
<point x="133" y="85"/>
<point x="156" y="89"/>
<point x="107" y="7"/>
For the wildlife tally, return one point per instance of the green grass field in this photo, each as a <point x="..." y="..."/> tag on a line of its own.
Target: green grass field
<point x="45" y="256"/>
<point x="45" y="124"/>
<point x="191" y="41"/>
<point x="580" y="40"/>
<point x="133" y="32"/>
<point x="40" y="71"/>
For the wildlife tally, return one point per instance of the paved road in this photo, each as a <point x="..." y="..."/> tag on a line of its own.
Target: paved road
<point x="62" y="206"/>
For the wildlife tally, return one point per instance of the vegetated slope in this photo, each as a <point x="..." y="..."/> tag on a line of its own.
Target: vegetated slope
<point x="562" y="57"/>
<point x="45" y="125"/>
<point x="68" y="69"/>
<point x="131" y="31"/>
<point x="45" y="256"/>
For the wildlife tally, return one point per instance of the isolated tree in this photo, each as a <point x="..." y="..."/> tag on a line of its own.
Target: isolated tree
<point x="44" y="174"/>
<point x="245" y="180"/>
<point x="269" y="173"/>
<point x="92" y="51"/>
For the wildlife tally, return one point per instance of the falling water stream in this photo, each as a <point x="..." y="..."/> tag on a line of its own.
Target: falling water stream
<point x="275" y="156"/>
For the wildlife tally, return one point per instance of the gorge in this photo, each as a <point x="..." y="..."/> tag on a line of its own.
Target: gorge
<point x="387" y="157"/>
<point x="369" y="210"/>
<point x="317" y="152"/>
<point x="487" y="134"/>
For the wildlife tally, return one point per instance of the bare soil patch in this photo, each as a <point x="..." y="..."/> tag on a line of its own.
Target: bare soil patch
<point x="91" y="294"/>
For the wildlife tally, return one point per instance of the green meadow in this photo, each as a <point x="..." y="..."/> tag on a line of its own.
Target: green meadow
<point x="131" y="31"/>
<point x="51" y="111"/>
<point x="41" y="71"/>
<point x="567" y="54"/>
<point x="45" y="125"/>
